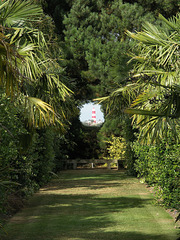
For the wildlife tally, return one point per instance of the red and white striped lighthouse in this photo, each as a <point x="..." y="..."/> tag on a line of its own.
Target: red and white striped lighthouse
<point x="94" y="115"/>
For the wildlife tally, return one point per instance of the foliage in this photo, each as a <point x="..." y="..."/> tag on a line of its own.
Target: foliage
<point x="61" y="146"/>
<point x="36" y="76"/>
<point x="121" y="127"/>
<point x="153" y="92"/>
<point x="26" y="62"/>
<point x="158" y="100"/>
<point x="93" y="37"/>
<point x="95" y="45"/>
<point x="10" y="130"/>
<point x="33" y="94"/>
<point x="94" y="34"/>
<point x="57" y="10"/>
<point x="117" y="148"/>
<point x="91" y="142"/>
<point x="26" y="159"/>
<point x="159" y="166"/>
<point x="81" y="141"/>
<point x="112" y="125"/>
<point x="167" y="8"/>
<point x="95" y="49"/>
<point x="96" y="42"/>
<point x="44" y="165"/>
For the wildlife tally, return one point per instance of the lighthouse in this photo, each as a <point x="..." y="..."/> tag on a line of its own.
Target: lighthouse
<point x="94" y="115"/>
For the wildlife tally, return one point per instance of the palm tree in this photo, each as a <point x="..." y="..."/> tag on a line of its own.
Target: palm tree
<point x="25" y="61"/>
<point x="152" y="93"/>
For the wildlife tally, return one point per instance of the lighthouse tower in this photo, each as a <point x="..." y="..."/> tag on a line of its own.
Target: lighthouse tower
<point x="94" y="115"/>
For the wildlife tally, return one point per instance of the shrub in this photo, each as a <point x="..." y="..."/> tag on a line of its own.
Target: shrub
<point x="26" y="158"/>
<point x="159" y="166"/>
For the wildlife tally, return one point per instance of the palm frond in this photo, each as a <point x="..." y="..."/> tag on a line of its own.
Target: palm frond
<point x="173" y="23"/>
<point x="156" y="128"/>
<point x="143" y="112"/>
<point x="26" y="64"/>
<point x="15" y="12"/>
<point x="153" y="98"/>
<point x="39" y="113"/>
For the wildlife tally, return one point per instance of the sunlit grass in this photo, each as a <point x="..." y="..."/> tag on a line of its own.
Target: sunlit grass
<point x="88" y="205"/>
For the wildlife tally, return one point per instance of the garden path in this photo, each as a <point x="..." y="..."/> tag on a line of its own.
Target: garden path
<point x="92" y="204"/>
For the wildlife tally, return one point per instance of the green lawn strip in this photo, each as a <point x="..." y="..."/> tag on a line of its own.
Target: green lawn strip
<point x="92" y="205"/>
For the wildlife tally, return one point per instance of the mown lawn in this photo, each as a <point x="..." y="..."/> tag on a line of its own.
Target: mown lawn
<point x="92" y="204"/>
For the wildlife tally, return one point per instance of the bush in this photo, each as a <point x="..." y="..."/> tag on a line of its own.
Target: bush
<point x="44" y="164"/>
<point x="11" y="128"/>
<point x="117" y="148"/>
<point x="159" y="165"/>
<point x="26" y="158"/>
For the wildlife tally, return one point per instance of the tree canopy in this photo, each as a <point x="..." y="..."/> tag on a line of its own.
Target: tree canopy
<point x="93" y="38"/>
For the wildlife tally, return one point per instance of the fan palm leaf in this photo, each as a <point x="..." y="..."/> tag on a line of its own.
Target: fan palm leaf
<point x="39" y="113"/>
<point x="154" y="96"/>
<point x="16" y="12"/>
<point x="25" y="60"/>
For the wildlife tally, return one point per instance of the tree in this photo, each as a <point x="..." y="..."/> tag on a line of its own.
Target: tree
<point x="166" y="8"/>
<point x="26" y="61"/>
<point x="153" y="93"/>
<point x="94" y="34"/>
<point x="57" y="9"/>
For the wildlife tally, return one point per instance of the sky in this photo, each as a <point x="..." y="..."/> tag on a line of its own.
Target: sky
<point x="86" y="112"/>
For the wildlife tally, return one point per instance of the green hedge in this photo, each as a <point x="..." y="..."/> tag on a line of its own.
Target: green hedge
<point x="159" y="165"/>
<point x="27" y="159"/>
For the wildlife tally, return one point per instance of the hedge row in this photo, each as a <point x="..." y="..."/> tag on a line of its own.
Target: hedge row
<point x="27" y="159"/>
<point x="159" y="165"/>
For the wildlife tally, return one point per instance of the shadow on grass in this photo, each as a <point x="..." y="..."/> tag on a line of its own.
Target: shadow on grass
<point x="85" y="216"/>
<point x="91" y="185"/>
<point x="117" y="236"/>
<point x="95" y="181"/>
<point x="76" y="217"/>
<point x="86" y="201"/>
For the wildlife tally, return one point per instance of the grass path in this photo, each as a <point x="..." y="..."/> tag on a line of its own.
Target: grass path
<point x="92" y="204"/>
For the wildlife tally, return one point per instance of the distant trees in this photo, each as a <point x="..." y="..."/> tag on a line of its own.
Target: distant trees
<point x="95" y="36"/>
